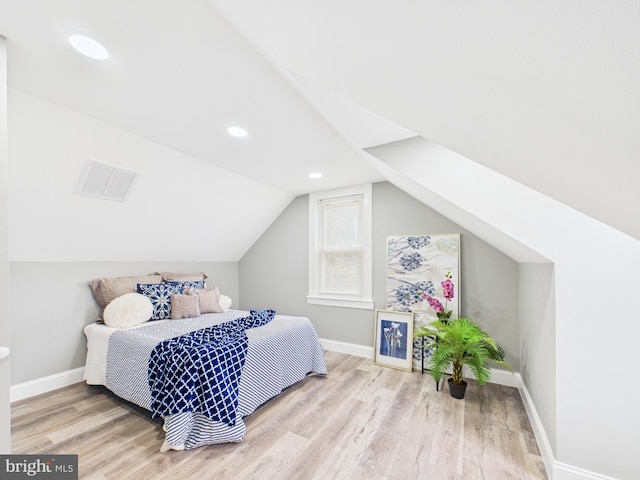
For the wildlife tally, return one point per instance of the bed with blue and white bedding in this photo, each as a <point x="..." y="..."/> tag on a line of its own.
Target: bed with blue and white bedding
<point x="203" y="375"/>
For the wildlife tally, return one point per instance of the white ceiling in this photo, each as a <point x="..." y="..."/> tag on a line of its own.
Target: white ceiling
<point x="179" y="75"/>
<point x="545" y="92"/>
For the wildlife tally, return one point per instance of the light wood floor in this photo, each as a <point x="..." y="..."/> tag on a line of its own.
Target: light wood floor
<point x="361" y="422"/>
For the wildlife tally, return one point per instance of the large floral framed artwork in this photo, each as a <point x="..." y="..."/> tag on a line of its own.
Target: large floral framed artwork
<point x="393" y="342"/>
<point x="423" y="277"/>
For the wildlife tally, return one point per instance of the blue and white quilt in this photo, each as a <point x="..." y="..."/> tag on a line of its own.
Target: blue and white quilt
<point x="278" y="354"/>
<point x="200" y="371"/>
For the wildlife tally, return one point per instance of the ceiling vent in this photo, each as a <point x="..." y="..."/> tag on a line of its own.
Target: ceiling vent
<point x="100" y="180"/>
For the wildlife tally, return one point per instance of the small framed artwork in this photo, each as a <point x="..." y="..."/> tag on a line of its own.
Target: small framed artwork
<point x="393" y="341"/>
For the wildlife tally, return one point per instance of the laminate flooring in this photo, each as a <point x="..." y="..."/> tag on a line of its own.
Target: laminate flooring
<point x="360" y="422"/>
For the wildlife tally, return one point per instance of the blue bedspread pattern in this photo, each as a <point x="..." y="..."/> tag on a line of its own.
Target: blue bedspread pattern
<point x="279" y="354"/>
<point x="200" y="371"/>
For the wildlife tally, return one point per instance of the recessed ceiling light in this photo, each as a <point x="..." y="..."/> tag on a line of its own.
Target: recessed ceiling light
<point x="237" y="131"/>
<point x="89" y="47"/>
<point x="315" y="175"/>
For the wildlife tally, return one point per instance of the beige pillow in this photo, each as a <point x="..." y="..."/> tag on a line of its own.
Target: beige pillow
<point x="184" y="306"/>
<point x="107" y="289"/>
<point x="209" y="299"/>
<point x="182" y="277"/>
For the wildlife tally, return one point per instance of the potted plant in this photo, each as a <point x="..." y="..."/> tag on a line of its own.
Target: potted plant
<point x="461" y="342"/>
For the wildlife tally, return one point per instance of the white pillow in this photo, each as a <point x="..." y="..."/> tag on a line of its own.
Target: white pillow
<point x="128" y="310"/>
<point x="224" y="302"/>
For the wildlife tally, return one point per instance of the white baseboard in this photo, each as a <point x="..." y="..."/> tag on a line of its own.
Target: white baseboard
<point x="562" y="471"/>
<point x="348" y="348"/>
<point x="555" y="470"/>
<point x="501" y="377"/>
<point x="46" y="384"/>
<point x="538" y="430"/>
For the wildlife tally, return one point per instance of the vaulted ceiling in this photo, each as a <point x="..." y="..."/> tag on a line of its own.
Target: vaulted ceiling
<point x="547" y="93"/>
<point x="178" y="74"/>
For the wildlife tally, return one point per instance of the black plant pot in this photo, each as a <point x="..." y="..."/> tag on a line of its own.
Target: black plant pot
<point x="457" y="391"/>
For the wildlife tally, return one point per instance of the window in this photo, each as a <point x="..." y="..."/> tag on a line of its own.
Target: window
<point x="340" y="248"/>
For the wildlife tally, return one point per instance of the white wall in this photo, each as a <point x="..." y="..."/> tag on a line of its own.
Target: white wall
<point x="488" y="289"/>
<point x="51" y="302"/>
<point x="182" y="214"/>
<point x="180" y="209"/>
<point x="5" y="413"/>
<point x="538" y="342"/>
<point x="597" y="278"/>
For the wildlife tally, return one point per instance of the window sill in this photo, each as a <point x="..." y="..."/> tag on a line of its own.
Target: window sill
<point x="341" y="302"/>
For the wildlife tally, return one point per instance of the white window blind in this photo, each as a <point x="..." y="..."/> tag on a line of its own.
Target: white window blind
<point x="340" y="248"/>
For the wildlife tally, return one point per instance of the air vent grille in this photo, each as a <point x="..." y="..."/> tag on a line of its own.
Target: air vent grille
<point x="100" y="180"/>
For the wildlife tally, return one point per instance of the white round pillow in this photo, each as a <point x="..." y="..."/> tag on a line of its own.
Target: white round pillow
<point x="128" y="310"/>
<point x="224" y="302"/>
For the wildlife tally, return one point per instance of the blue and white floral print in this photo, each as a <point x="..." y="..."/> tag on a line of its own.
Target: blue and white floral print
<point x="417" y="266"/>
<point x="410" y="293"/>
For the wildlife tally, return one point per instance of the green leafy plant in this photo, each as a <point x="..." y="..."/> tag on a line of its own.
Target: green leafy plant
<point x="461" y="342"/>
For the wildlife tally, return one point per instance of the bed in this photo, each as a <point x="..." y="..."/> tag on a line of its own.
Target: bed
<point x="278" y="354"/>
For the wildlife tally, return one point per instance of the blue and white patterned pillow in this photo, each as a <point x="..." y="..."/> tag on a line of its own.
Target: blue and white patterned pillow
<point x="160" y="295"/>
<point x="190" y="284"/>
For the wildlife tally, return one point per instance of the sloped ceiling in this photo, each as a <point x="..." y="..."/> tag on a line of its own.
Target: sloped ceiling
<point x="178" y="75"/>
<point x="546" y="93"/>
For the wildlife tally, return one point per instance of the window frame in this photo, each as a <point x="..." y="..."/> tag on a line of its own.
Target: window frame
<point x="364" y="301"/>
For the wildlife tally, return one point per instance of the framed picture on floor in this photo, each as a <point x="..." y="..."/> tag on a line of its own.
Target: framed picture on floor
<point x="393" y="339"/>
